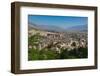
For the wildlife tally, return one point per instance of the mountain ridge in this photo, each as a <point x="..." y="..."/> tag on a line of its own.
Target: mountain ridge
<point x="80" y="28"/>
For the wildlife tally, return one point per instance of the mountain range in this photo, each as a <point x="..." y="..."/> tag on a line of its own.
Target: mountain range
<point x="80" y="28"/>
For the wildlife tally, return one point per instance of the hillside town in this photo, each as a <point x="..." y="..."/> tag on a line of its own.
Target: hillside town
<point x="58" y="40"/>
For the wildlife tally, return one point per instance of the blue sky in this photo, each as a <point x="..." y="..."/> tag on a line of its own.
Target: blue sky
<point x="59" y="21"/>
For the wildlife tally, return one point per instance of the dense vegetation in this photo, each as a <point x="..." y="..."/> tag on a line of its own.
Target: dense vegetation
<point x="49" y="54"/>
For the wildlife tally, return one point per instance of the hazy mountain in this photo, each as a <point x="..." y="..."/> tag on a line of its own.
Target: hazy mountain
<point x="78" y="28"/>
<point x="57" y="29"/>
<point x="45" y="27"/>
<point x="32" y="26"/>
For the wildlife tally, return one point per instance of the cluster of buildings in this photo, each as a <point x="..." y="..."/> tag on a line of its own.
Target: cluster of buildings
<point x="60" y="40"/>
